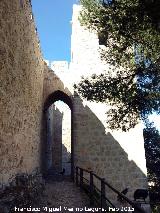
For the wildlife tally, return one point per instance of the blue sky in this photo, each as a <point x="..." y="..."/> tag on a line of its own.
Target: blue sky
<point x="52" y="19"/>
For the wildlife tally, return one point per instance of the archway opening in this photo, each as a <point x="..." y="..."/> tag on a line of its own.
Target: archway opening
<point x="59" y="138"/>
<point x="58" y="135"/>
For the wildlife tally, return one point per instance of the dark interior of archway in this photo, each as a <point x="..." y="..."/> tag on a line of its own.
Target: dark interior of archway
<point x="56" y="96"/>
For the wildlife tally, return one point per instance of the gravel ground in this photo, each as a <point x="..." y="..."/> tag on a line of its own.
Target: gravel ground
<point x="64" y="196"/>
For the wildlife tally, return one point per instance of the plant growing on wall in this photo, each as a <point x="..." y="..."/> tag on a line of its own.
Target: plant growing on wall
<point x="130" y="33"/>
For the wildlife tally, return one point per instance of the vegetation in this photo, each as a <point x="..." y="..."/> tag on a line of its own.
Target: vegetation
<point x="129" y="30"/>
<point x="152" y="150"/>
<point x="24" y="191"/>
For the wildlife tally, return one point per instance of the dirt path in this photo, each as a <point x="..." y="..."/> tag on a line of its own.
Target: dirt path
<point x="64" y="196"/>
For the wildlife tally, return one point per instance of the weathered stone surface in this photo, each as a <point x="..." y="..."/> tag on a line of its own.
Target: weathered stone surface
<point x="21" y="86"/>
<point x="26" y="83"/>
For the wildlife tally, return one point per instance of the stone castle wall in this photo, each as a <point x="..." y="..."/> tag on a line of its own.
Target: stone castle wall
<point x="57" y="139"/>
<point x="117" y="156"/>
<point x="99" y="151"/>
<point x="52" y="83"/>
<point x="26" y="83"/>
<point x="21" y="87"/>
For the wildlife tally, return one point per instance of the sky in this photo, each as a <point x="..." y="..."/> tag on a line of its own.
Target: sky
<point x="52" y="19"/>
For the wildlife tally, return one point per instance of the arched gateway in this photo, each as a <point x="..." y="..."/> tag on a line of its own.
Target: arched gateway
<point x="92" y="148"/>
<point x="51" y="95"/>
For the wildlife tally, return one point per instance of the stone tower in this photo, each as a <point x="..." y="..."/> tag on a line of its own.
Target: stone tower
<point x="85" y="61"/>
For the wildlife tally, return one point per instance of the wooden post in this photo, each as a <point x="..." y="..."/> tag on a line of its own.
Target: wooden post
<point x="77" y="176"/>
<point x="81" y="177"/>
<point x="91" y="188"/>
<point x="103" y="193"/>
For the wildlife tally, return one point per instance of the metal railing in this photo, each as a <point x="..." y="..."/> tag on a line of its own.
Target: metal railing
<point x="97" y="195"/>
